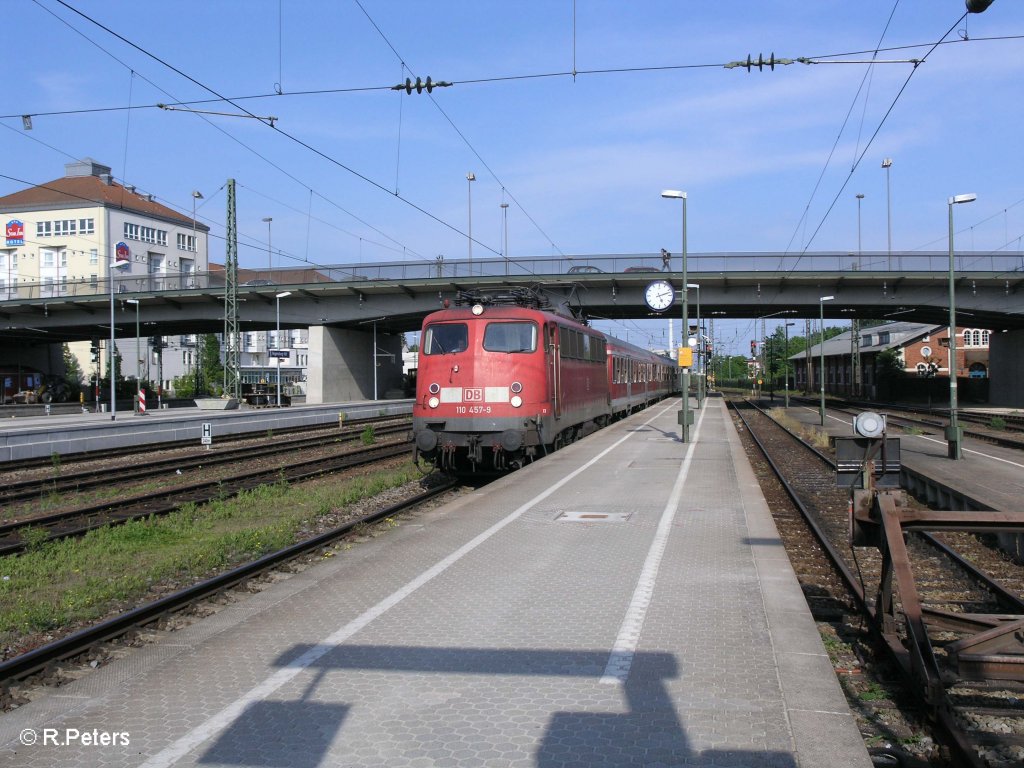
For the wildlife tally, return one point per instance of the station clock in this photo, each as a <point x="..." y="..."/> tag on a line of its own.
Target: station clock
<point x="659" y="295"/>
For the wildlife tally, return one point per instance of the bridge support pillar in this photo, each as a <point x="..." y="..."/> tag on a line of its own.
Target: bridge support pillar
<point x="342" y="360"/>
<point x="1006" y="369"/>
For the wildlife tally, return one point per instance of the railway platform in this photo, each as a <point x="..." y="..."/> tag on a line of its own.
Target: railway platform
<point x="41" y="436"/>
<point x="625" y="602"/>
<point x="986" y="477"/>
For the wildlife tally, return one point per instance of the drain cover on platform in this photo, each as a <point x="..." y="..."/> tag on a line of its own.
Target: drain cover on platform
<point x="593" y="517"/>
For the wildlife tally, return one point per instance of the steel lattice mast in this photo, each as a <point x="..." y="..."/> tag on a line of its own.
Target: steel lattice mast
<point x="232" y="376"/>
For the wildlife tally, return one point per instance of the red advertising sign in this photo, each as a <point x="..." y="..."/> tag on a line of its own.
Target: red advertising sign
<point x="15" y="232"/>
<point x="122" y="254"/>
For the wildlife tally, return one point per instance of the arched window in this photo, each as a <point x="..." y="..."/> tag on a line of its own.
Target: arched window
<point x="985" y="338"/>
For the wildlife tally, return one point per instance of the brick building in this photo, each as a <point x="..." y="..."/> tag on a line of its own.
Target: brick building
<point x="922" y="348"/>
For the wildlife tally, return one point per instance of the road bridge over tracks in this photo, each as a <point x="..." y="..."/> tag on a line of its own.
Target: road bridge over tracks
<point x="347" y="304"/>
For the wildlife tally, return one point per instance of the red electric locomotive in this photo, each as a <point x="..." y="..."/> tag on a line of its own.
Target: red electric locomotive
<point x="503" y="379"/>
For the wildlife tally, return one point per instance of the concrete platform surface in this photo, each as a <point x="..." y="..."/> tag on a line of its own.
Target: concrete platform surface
<point x="625" y="602"/>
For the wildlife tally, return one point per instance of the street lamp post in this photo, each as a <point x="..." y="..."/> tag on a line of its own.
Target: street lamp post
<point x="504" y="216"/>
<point x="699" y="350"/>
<point x="270" y="258"/>
<point x="887" y="164"/>
<point x="196" y="195"/>
<point x="953" y="434"/>
<point x="855" y="324"/>
<point x="277" y="340"/>
<point x="470" y="178"/>
<point x="138" y="358"/>
<point x="785" y="365"/>
<point x="685" y="417"/>
<point x="821" y="355"/>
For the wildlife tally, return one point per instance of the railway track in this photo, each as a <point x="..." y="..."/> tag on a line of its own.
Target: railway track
<point x="14" y="536"/>
<point x="43" y="657"/>
<point x="86" y="457"/>
<point x="14" y="491"/>
<point x="981" y="721"/>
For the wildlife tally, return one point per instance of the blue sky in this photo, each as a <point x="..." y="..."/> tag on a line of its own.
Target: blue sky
<point x="581" y="160"/>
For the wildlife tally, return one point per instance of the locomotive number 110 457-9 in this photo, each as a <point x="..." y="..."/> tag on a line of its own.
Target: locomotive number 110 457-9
<point x="466" y="409"/>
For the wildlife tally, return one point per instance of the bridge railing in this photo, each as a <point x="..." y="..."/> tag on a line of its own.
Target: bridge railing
<point x="519" y="268"/>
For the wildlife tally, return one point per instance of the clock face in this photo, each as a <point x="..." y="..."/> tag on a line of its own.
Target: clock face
<point x="659" y="295"/>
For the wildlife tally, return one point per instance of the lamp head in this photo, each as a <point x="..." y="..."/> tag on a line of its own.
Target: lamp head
<point x="268" y="219"/>
<point x="970" y="197"/>
<point x="887" y="163"/>
<point x="826" y="298"/>
<point x="675" y="193"/>
<point x="470" y="176"/>
<point x="282" y="295"/>
<point x="197" y="194"/>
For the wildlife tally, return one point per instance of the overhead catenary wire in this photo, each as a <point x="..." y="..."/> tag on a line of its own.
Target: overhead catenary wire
<point x="228" y="135"/>
<point x="291" y="137"/>
<point x="455" y="128"/>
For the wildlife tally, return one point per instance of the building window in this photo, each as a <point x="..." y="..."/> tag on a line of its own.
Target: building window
<point x="883" y="338"/>
<point x="186" y="242"/>
<point x="94" y="256"/>
<point x="131" y="231"/>
<point x="65" y="227"/>
<point x="86" y="226"/>
<point x="93" y="282"/>
<point x="44" y="229"/>
<point x="866" y="340"/>
<point x="47" y="258"/>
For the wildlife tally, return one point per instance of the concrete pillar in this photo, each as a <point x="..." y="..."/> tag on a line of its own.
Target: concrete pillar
<point x="1006" y="369"/>
<point x="341" y="365"/>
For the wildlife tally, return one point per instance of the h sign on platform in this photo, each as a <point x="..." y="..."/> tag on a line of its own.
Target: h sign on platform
<point x="207" y="433"/>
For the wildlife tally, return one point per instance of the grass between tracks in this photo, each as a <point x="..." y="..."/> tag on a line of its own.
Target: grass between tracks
<point x="60" y="583"/>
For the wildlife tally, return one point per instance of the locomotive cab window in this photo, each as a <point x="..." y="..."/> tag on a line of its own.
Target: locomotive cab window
<point x="443" y="338"/>
<point x="510" y="337"/>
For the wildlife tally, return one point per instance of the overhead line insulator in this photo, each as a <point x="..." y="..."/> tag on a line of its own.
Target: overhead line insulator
<point x="420" y="85"/>
<point x="760" y="63"/>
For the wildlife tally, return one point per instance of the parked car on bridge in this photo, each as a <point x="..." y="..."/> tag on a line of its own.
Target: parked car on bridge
<point x="584" y="269"/>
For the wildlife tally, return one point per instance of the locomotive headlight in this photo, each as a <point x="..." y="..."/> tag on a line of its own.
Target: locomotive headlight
<point x="478" y="309"/>
<point x="516" y="387"/>
<point x="516" y="401"/>
<point x="435" y="388"/>
<point x="433" y="402"/>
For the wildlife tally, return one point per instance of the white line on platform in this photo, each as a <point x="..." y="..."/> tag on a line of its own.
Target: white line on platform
<point x="621" y="658"/>
<point x="174" y="752"/>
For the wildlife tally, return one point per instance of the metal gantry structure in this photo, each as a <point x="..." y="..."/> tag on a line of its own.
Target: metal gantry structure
<point x="232" y="337"/>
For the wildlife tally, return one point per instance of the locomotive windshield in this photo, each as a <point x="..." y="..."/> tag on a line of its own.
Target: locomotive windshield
<point x="510" y="337"/>
<point x="442" y="338"/>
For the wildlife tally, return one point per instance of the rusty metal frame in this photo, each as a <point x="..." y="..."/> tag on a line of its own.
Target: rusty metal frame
<point x="994" y="649"/>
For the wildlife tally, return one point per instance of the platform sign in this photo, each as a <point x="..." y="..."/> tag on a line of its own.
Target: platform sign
<point x="283" y="353"/>
<point x="207" y="438"/>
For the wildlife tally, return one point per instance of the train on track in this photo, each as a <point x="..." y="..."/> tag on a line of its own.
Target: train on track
<point x="503" y="379"/>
